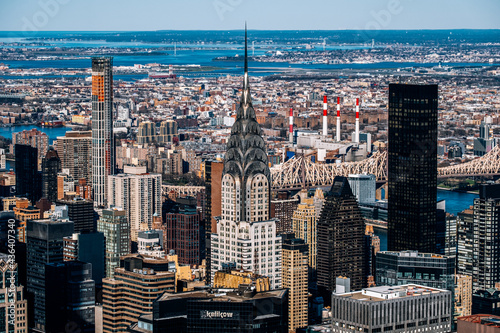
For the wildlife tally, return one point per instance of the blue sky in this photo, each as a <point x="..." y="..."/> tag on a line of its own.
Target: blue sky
<point x="134" y="15"/>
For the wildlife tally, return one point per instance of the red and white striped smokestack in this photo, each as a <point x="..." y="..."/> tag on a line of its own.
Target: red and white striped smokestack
<point x="325" y="116"/>
<point x="338" y="119"/>
<point x="356" y="136"/>
<point x="291" y="125"/>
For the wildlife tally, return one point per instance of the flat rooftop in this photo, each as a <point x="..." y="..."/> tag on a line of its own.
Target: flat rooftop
<point x="222" y="295"/>
<point x="383" y="293"/>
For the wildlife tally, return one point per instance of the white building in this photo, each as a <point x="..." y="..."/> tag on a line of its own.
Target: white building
<point x="246" y="236"/>
<point x="407" y="308"/>
<point x="2" y="159"/>
<point x="139" y="193"/>
<point x="151" y="243"/>
<point x="363" y="187"/>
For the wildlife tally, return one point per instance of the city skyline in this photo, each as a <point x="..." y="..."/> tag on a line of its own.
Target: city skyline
<point x="295" y="186"/>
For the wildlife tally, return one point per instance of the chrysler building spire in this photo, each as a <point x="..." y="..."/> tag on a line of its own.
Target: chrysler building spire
<point x="245" y="163"/>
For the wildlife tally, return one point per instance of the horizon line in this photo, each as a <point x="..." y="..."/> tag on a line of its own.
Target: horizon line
<point x="239" y="30"/>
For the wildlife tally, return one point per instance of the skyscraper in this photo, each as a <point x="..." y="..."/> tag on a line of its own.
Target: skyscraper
<point x="282" y="208"/>
<point x="44" y="245"/>
<point x="139" y="193"/>
<point x="34" y="138"/>
<point x="51" y="165"/>
<point x="88" y="247"/>
<point x="114" y="225"/>
<point x="305" y="227"/>
<point x="28" y="179"/>
<point x="81" y="213"/>
<point x="295" y="272"/>
<point x="182" y="231"/>
<point x="75" y="151"/>
<point x="213" y="179"/>
<point x="412" y="167"/>
<point x="72" y="296"/>
<point x="131" y="292"/>
<point x="478" y="234"/>
<point x="103" y="143"/>
<point x="246" y="237"/>
<point x="341" y="232"/>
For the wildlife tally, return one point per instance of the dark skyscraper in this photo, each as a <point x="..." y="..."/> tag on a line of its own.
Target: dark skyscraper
<point x="81" y="213"/>
<point x="45" y="245"/>
<point x="51" y="166"/>
<point x="72" y="300"/>
<point x="341" y="239"/>
<point x="28" y="180"/>
<point x="182" y="227"/>
<point x="412" y="167"/>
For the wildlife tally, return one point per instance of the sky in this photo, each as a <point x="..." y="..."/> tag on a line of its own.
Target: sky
<point x="147" y="15"/>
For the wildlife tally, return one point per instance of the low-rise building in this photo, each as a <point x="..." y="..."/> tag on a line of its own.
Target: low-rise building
<point x="406" y="308"/>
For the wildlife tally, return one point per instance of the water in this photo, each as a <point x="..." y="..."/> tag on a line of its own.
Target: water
<point x="455" y="203"/>
<point x="52" y="132"/>
<point x="198" y="53"/>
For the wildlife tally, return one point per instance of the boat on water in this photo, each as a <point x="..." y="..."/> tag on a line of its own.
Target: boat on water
<point x="51" y="123"/>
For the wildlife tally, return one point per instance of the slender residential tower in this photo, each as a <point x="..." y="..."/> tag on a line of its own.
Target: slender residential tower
<point x="356" y="135"/>
<point x="103" y="145"/>
<point x="291" y="126"/>
<point x="338" y="119"/>
<point x="325" y="115"/>
<point x="246" y="236"/>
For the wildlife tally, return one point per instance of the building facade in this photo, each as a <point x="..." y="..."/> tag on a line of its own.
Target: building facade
<point x="413" y="267"/>
<point x="28" y="179"/>
<point x="282" y="209"/>
<point x="486" y="302"/>
<point x="341" y="240"/>
<point x="146" y="133"/>
<point x="295" y="279"/>
<point x="44" y="246"/>
<point x="183" y="232"/>
<point x="478" y="239"/>
<point x="10" y="296"/>
<point x="81" y="213"/>
<point x="103" y="142"/>
<point x="305" y="227"/>
<point x="74" y="304"/>
<point x="89" y="247"/>
<point x="168" y="131"/>
<point x="241" y="310"/>
<point x="407" y="308"/>
<point x="75" y="151"/>
<point x="51" y="166"/>
<point x="363" y="187"/>
<point x="34" y="138"/>
<point x="482" y="323"/>
<point x="139" y="193"/>
<point x="114" y="225"/>
<point x="246" y="237"/>
<point x="132" y="290"/>
<point x="412" y="167"/>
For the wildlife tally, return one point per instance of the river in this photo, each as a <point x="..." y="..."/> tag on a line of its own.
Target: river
<point x="455" y="203"/>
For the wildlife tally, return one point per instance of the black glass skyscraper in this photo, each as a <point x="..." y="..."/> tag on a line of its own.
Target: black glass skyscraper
<point x="51" y="166"/>
<point x="412" y="167"/>
<point x="28" y="179"/>
<point x="341" y="232"/>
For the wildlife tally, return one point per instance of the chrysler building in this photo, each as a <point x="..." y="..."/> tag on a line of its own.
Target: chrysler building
<point x="246" y="237"/>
